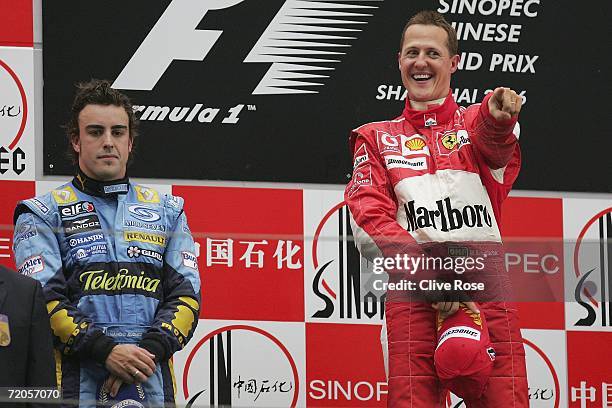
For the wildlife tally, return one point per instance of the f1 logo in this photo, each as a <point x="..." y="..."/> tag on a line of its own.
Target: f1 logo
<point x="174" y="36"/>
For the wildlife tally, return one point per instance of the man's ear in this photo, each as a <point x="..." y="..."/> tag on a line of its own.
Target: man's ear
<point x="76" y="143"/>
<point x="455" y="63"/>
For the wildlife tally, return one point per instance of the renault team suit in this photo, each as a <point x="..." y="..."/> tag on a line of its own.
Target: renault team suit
<point x="117" y="265"/>
<point x="422" y="181"/>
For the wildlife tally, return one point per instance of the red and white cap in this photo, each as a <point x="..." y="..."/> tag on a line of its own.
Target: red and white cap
<point x="464" y="356"/>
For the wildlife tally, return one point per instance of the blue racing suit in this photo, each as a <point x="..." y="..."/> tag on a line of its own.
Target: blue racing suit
<point x="117" y="264"/>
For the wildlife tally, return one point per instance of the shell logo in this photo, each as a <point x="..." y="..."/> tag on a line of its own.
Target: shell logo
<point x="415" y="144"/>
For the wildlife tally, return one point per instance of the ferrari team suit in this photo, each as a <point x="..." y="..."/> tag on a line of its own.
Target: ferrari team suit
<point x="117" y="264"/>
<point x="423" y="183"/>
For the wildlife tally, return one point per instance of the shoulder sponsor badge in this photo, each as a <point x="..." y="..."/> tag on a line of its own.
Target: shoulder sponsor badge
<point x="32" y="265"/>
<point x="361" y="177"/>
<point x="361" y="156"/>
<point x="146" y="195"/>
<point x="39" y="204"/>
<point x="5" y="332"/>
<point x="25" y="231"/>
<point x="189" y="260"/>
<point x="64" y="195"/>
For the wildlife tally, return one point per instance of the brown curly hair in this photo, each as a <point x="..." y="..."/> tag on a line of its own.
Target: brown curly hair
<point x="97" y="92"/>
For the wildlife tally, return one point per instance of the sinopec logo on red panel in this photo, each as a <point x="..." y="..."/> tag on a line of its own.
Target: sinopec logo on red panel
<point x="344" y="366"/>
<point x="343" y="279"/>
<point x="240" y="365"/>
<point x="592" y="267"/>
<point x="13" y="118"/>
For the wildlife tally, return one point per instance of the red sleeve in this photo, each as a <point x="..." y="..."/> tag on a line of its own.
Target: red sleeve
<point x="370" y="198"/>
<point x="495" y="140"/>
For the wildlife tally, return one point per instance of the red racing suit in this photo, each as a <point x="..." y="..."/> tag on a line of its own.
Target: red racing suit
<point x="424" y="179"/>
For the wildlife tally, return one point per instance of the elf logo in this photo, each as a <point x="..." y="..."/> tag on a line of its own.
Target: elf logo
<point x="287" y="43"/>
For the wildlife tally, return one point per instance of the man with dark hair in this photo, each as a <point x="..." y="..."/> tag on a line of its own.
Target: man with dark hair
<point x="431" y="183"/>
<point x="116" y="261"/>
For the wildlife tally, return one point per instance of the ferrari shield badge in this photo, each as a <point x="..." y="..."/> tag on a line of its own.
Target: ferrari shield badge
<point x="5" y="332"/>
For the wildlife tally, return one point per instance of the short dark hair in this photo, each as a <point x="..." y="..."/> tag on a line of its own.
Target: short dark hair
<point x="97" y="92"/>
<point x="430" y="17"/>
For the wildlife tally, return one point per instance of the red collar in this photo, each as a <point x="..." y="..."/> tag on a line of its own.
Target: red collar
<point x="441" y="113"/>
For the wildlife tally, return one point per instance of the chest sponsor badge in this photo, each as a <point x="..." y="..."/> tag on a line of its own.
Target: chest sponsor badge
<point x="387" y="143"/>
<point x="399" y="162"/>
<point x="5" y="332"/>
<point x="414" y="145"/>
<point x="451" y="141"/>
<point x="429" y="119"/>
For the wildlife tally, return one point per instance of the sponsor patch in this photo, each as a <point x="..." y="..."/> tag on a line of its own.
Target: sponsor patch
<point x="185" y="226"/>
<point x="86" y="240"/>
<point x="175" y="202"/>
<point x="25" y="231"/>
<point x="85" y="224"/>
<point x="123" y="280"/>
<point x="64" y="195"/>
<point x="361" y="177"/>
<point x="146" y="195"/>
<point x="39" y="204"/>
<point x="387" y="143"/>
<point x="189" y="260"/>
<point x="144" y="225"/>
<point x="31" y="266"/>
<point x="116" y="188"/>
<point x="145" y="237"/>
<point x="5" y="331"/>
<point x="86" y="252"/>
<point x="464" y="332"/>
<point x="399" y="162"/>
<point x="82" y="207"/>
<point x="451" y="141"/>
<point x="414" y="145"/>
<point x="430" y="119"/>
<point x="361" y="156"/>
<point x="143" y="213"/>
<point x="135" y="252"/>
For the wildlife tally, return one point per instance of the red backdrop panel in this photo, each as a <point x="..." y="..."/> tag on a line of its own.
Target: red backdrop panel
<point x="12" y="191"/>
<point x="532" y="229"/>
<point x="251" y="251"/>
<point x="589" y="377"/>
<point x="16" y="23"/>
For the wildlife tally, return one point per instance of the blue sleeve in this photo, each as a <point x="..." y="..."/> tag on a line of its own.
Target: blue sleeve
<point x="177" y="316"/>
<point x="37" y="254"/>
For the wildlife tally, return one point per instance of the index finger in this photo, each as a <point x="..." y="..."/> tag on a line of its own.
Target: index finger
<point x="472" y="306"/>
<point x="145" y="358"/>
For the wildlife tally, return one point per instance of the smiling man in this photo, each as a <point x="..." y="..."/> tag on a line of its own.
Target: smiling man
<point x="431" y="183"/>
<point x="116" y="262"/>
